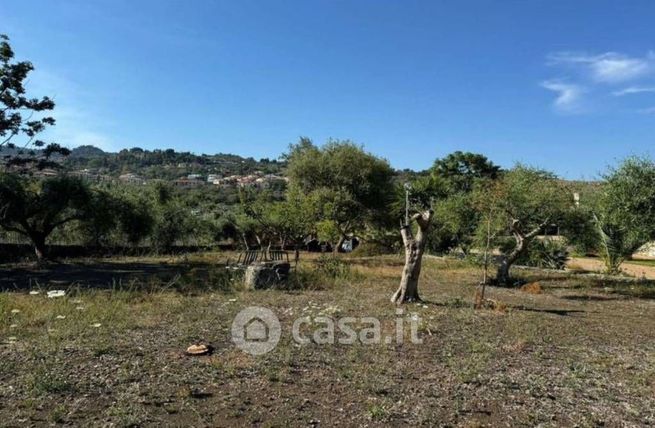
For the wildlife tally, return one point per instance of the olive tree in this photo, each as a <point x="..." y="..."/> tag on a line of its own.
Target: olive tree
<point x="351" y="186"/>
<point x="290" y="220"/>
<point x="450" y="183"/>
<point x="524" y="201"/>
<point x="414" y="246"/>
<point x="35" y="208"/>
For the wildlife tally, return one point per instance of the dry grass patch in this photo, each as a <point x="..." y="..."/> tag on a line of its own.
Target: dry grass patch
<point x="535" y="358"/>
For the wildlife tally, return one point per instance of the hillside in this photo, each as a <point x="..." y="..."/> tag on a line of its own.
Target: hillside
<point x="162" y="164"/>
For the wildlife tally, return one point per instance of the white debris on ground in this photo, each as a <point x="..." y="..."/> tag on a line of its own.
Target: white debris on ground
<point x="56" y="293"/>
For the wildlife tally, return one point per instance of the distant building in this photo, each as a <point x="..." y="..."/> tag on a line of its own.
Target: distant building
<point x="131" y="178"/>
<point x="227" y="181"/>
<point x="91" y="176"/>
<point x="257" y="179"/>
<point x="194" y="176"/>
<point x="47" y="172"/>
<point x="186" y="183"/>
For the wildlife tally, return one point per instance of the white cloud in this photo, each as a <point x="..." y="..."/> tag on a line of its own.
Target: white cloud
<point x="568" y="95"/>
<point x="609" y="67"/>
<point x="634" y="90"/>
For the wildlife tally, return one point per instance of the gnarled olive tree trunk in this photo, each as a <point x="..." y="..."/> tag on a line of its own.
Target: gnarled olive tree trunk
<point x="522" y="241"/>
<point x="414" y="247"/>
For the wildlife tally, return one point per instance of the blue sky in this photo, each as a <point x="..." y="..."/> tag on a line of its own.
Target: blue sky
<point x="566" y="85"/>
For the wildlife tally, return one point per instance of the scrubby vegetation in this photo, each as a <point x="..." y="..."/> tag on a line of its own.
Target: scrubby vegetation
<point x="99" y="338"/>
<point x="114" y="355"/>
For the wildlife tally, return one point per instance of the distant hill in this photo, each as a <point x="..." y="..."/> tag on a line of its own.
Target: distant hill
<point x="86" y="152"/>
<point x="166" y="164"/>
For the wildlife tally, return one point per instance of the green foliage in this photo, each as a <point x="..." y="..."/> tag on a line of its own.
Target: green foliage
<point x="372" y="248"/>
<point x="136" y="220"/>
<point x="624" y="214"/>
<point x="545" y="253"/>
<point x="16" y="115"/>
<point x="352" y="187"/>
<point x="530" y="195"/>
<point x="614" y="245"/>
<point x="168" y="164"/>
<point x="460" y="171"/>
<point x="455" y="223"/>
<point x="288" y="221"/>
<point x="35" y="208"/>
<point x="332" y="267"/>
<point x="104" y="212"/>
<point x="448" y="189"/>
<point x="520" y="204"/>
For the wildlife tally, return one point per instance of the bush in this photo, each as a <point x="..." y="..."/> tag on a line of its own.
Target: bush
<point x="332" y="267"/>
<point x="546" y="253"/>
<point x="329" y="272"/>
<point x="370" y="249"/>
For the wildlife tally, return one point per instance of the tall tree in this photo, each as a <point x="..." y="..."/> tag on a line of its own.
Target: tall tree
<point x="352" y="186"/>
<point x="461" y="170"/>
<point x="449" y="183"/>
<point x="22" y="118"/>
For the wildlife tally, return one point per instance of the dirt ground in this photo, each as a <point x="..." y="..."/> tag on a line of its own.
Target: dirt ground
<point x="579" y="353"/>
<point x="630" y="268"/>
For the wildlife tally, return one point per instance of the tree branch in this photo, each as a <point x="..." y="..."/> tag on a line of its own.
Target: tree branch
<point x="534" y="232"/>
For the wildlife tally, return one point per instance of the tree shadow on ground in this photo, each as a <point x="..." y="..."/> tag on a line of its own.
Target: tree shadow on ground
<point x="593" y="297"/>
<point x="459" y="303"/>
<point x="560" y="312"/>
<point x="100" y="275"/>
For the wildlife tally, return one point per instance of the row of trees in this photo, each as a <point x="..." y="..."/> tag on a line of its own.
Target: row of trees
<point x="339" y="191"/>
<point x="154" y="216"/>
<point x="336" y="192"/>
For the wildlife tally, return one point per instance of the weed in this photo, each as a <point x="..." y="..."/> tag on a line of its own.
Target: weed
<point x="377" y="412"/>
<point x="58" y="414"/>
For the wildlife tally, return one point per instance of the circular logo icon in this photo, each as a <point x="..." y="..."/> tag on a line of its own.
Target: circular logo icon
<point x="256" y="330"/>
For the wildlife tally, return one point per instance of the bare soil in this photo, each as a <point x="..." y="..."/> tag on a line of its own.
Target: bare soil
<point x="580" y="353"/>
<point x="629" y="268"/>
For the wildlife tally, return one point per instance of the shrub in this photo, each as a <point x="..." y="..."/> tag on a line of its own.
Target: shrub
<point x="329" y="271"/>
<point x="546" y="253"/>
<point x="370" y="249"/>
<point x="332" y="267"/>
